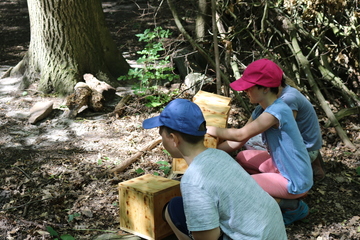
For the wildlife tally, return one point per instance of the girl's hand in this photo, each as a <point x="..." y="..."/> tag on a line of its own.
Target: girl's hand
<point x="211" y="130"/>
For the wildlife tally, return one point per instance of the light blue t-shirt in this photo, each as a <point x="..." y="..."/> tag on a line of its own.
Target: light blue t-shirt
<point x="306" y="117"/>
<point x="287" y="147"/>
<point x="218" y="192"/>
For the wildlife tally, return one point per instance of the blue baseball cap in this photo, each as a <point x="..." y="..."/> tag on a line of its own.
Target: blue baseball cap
<point x="181" y="115"/>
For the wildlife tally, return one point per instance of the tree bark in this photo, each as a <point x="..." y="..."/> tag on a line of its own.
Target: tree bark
<point x="216" y="47"/>
<point x="68" y="38"/>
<point x="202" y="19"/>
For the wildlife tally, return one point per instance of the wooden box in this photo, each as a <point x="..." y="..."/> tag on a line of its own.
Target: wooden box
<point x="141" y="203"/>
<point x="216" y="110"/>
<point x="179" y="165"/>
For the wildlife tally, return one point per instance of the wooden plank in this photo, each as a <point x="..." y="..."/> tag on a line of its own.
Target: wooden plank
<point x="206" y="97"/>
<point x="214" y="109"/>
<point x="216" y="120"/>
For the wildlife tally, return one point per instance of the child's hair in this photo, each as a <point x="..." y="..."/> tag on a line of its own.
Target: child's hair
<point x="274" y="90"/>
<point x="283" y="82"/>
<point x="188" y="138"/>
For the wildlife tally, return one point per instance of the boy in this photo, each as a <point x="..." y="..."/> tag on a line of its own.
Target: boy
<point x="219" y="199"/>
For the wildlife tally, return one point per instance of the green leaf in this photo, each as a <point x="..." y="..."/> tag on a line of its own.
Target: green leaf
<point x="166" y="152"/>
<point x="358" y="170"/>
<point x="139" y="171"/>
<point x="67" y="237"/>
<point x="165" y="169"/>
<point x="163" y="162"/>
<point x="72" y="216"/>
<point x="52" y="232"/>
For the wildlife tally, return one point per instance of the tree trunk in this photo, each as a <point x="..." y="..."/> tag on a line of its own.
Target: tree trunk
<point x="68" y="39"/>
<point x="202" y="20"/>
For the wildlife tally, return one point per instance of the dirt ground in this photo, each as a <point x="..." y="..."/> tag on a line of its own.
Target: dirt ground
<point x="55" y="173"/>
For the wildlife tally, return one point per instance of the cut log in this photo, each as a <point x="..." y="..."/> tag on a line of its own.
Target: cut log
<point x="96" y="102"/>
<point x="99" y="86"/>
<point x="78" y="99"/>
<point x="132" y="159"/>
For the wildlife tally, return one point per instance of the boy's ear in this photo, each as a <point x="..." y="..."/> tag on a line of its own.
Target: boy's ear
<point x="176" y="139"/>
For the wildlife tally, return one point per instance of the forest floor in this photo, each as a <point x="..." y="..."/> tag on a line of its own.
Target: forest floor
<point x="55" y="173"/>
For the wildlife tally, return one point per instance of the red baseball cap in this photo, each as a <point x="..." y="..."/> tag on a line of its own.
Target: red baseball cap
<point x="263" y="72"/>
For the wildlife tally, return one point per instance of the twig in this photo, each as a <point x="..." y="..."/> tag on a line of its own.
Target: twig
<point x="99" y="230"/>
<point x="26" y="175"/>
<point x="132" y="159"/>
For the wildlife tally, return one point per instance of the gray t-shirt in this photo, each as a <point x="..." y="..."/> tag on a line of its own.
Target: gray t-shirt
<point x="306" y="117"/>
<point x="218" y="192"/>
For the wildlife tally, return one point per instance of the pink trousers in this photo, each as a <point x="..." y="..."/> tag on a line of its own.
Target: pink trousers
<point x="261" y="167"/>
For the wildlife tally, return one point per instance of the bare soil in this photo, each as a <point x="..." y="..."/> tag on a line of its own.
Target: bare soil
<point x="55" y="173"/>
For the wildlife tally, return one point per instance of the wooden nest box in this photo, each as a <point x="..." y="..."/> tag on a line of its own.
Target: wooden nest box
<point x="142" y="201"/>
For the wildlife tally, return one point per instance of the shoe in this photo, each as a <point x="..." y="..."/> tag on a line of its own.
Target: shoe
<point x="318" y="168"/>
<point x="301" y="212"/>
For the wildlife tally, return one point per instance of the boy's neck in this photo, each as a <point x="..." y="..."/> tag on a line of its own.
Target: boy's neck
<point x="191" y="151"/>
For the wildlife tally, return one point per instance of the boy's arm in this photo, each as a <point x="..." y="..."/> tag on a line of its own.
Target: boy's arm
<point x="212" y="234"/>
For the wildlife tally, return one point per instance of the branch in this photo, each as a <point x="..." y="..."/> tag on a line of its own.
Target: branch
<point x="344" y="113"/>
<point x="132" y="159"/>
<point x="202" y="52"/>
<point x="216" y="47"/>
<point x="304" y="62"/>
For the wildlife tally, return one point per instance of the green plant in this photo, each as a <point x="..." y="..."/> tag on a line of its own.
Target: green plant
<point x="53" y="233"/>
<point x="166" y="152"/>
<point x="164" y="166"/>
<point x="157" y="100"/>
<point x="139" y="171"/>
<point x="155" y="68"/>
<point x="73" y="216"/>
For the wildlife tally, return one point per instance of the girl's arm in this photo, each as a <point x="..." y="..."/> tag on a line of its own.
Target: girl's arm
<point x="252" y="128"/>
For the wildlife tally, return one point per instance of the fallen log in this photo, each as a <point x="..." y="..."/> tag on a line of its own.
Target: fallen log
<point x="106" y="90"/>
<point x="132" y="159"/>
